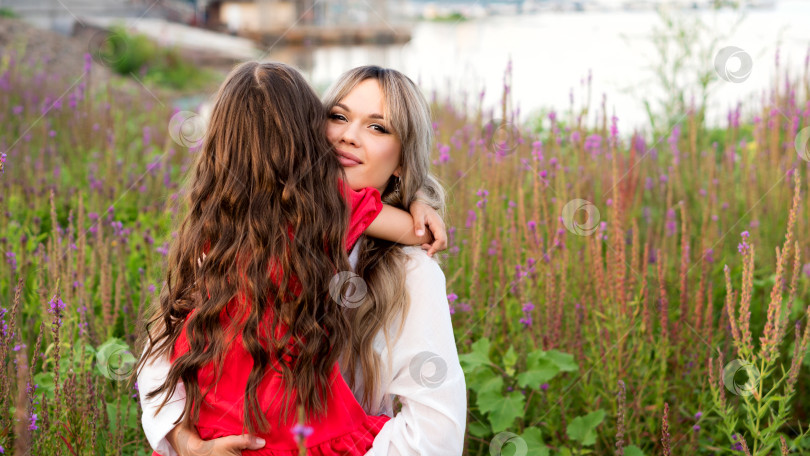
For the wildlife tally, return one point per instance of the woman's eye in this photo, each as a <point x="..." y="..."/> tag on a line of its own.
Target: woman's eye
<point x="336" y="116"/>
<point x="379" y="128"/>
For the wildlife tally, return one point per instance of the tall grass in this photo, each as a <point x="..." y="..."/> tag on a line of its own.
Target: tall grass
<point x="578" y="335"/>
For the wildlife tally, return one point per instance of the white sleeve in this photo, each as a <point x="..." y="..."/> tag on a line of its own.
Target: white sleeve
<point x="426" y="376"/>
<point x="151" y="376"/>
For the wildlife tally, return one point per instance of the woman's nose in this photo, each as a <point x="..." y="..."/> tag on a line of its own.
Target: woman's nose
<point x="350" y="134"/>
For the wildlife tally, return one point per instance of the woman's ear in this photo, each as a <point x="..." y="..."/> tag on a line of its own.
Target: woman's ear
<point x="398" y="171"/>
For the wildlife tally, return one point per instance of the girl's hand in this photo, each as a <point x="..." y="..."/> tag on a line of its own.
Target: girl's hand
<point x="424" y="215"/>
<point x="187" y="442"/>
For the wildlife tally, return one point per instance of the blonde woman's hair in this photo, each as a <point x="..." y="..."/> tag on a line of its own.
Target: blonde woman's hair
<point x="381" y="264"/>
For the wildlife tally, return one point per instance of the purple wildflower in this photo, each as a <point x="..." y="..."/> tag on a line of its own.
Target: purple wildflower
<point x="163" y="249"/>
<point x="11" y="259"/>
<point x="56" y="305"/>
<point x="470" y="219"/>
<point x="444" y="154"/>
<point x="743" y="247"/>
<point x="526" y="321"/>
<point x="32" y="425"/>
<point x="301" y="431"/>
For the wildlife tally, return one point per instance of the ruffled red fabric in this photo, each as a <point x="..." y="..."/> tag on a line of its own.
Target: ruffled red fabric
<point x="366" y="206"/>
<point x="344" y="430"/>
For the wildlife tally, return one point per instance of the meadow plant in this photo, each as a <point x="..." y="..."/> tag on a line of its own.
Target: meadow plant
<point x="592" y="271"/>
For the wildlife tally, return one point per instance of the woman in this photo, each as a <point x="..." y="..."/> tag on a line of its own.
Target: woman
<point x="380" y="126"/>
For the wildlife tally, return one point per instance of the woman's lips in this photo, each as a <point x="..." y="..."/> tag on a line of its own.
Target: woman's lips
<point x="347" y="159"/>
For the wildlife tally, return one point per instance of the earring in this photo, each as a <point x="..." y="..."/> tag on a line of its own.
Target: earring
<point x="396" y="185"/>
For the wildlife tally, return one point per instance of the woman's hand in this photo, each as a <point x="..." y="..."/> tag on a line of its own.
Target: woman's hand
<point x="187" y="442"/>
<point x="424" y="215"/>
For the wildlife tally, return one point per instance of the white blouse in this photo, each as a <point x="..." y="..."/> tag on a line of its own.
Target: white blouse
<point x="424" y="374"/>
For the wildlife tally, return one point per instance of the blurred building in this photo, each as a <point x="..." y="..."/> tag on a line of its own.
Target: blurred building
<point x="309" y="20"/>
<point x="269" y="15"/>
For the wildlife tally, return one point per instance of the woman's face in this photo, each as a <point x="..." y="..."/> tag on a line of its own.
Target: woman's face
<point x="367" y="148"/>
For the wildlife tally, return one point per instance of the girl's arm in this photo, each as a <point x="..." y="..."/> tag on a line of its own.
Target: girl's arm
<point x="396" y="225"/>
<point x="434" y="405"/>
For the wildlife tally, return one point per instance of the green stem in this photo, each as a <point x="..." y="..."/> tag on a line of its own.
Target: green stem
<point x="759" y="406"/>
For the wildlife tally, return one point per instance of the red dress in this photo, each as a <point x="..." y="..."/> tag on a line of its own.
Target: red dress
<point x="344" y="430"/>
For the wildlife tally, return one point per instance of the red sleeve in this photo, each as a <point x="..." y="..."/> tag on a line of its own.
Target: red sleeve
<point x="365" y="207"/>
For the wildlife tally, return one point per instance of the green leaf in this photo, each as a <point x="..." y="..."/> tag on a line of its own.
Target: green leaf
<point x="564" y="451"/>
<point x="633" y="450"/>
<point x="534" y="440"/>
<point x="504" y="412"/>
<point x="479" y="355"/>
<point x="129" y="414"/>
<point x="478" y="377"/>
<point x="564" y="361"/>
<point x="583" y="428"/>
<point x="510" y="358"/>
<point x="539" y="370"/>
<point x="493" y="385"/>
<point x="44" y="382"/>
<point x="489" y="401"/>
<point x="479" y="429"/>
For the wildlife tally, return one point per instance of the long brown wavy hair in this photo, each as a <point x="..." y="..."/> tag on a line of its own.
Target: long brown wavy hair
<point x="260" y="197"/>
<point x="382" y="264"/>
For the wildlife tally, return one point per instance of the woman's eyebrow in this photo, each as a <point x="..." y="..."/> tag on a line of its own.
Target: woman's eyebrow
<point x="371" y="116"/>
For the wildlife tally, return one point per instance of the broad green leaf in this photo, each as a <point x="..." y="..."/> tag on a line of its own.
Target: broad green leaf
<point x="476" y="378"/>
<point x="479" y="429"/>
<point x="534" y="440"/>
<point x="479" y="355"/>
<point x="583" y="428"/>
<point x="489" y="401"/>
<point x="564" y="361"/>
<point x="564" y="451"/>
<point x="633" y="450"/>
<point x="539" y="370"/>
<point x="503" y="414"/>
<point x="510" y="358"/>
<point x="494" y="385"/>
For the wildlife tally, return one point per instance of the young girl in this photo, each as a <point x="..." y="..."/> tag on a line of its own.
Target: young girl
<point x="252" y="329"/>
